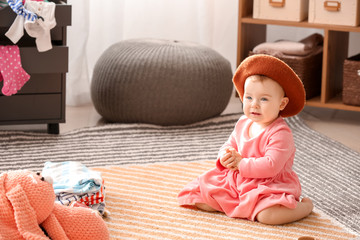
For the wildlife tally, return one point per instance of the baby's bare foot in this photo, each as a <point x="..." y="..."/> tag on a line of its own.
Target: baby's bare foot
<point x="205" y="207"/>
<point x="308" y="204"/>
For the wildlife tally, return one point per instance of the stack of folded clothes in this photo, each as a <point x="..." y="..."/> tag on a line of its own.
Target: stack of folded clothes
<point x="73" y="181"/>
<point x="283" y="48"/>
<point x="304" y="57"/>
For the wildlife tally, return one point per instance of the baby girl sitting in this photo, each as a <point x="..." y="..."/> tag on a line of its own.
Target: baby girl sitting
<point x="253" y="178"/>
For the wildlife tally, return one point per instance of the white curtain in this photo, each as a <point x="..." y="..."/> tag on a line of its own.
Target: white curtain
<point x="96" y="25"/>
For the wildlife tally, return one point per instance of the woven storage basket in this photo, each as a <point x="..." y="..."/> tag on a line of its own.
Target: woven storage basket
<point x="308" y="68"/>
<point x="351" y="81"/>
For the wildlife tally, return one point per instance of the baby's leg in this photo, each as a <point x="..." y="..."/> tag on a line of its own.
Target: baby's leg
<point x="280" y="215"/>
<point x="205" y="207"/>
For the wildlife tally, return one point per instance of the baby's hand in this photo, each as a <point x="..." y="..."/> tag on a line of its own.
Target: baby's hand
<point x="224" y="159"/>
<point x="230" y="159"/>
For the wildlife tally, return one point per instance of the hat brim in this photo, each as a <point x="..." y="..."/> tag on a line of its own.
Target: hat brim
<point x="277" y="70"/>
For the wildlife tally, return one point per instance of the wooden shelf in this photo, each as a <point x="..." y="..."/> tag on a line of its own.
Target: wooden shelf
<point x="304" y="24"/>
<point x="334" y="103"/>
<point x="252" y="32"/>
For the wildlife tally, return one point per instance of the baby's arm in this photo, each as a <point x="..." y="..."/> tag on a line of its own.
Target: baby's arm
<point x="225" y="156"/>
<point x="278" y="150"/>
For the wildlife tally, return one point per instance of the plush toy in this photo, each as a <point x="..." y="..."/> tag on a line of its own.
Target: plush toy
<point x="28" y="208"/>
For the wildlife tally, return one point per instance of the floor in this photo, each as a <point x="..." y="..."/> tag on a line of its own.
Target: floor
<point x="343" y="126"/>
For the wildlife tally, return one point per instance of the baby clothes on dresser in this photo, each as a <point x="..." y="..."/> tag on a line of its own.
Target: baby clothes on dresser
<point x="37" y="18"/>
<point x="11" y="70"/>
<point x="40" y="29"/>
<point x="16" y="31"/>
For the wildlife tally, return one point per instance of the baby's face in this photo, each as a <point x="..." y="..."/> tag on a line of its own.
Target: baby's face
<point x="263" y="99"/>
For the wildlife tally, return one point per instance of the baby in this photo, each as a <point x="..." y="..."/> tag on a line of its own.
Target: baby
<point x="253" y="178"/>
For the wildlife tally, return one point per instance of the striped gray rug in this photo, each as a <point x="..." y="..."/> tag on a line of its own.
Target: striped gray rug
<point x="328" y="170"/>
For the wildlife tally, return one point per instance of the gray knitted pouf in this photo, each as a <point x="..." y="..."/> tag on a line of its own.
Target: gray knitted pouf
<point x="160" y="82"/>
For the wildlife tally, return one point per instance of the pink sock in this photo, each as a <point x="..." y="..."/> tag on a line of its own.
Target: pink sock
<point x="13" y="74"/>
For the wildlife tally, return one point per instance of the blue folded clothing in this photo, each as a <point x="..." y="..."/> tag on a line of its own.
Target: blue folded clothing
<point x="72" y="177"/>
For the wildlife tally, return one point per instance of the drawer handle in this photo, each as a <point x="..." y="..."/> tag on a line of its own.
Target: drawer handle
<point x="278" y="4"/>
<point x="358" y="72"/>
<point x="332" y="6"/>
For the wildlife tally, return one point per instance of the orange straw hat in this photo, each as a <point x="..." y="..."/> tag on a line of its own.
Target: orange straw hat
<point x="277" y="70"/>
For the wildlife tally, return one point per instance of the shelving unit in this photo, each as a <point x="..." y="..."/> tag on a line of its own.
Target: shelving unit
<point x="252" y="32"/>
<point x="42" y="98"/>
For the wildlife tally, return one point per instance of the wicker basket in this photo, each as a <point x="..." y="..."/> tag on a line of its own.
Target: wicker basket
<point x="309" y="69"/>
<point x="351" y="81"/>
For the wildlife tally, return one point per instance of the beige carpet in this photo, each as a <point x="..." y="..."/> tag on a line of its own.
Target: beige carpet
<point x="143" y="205"/>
